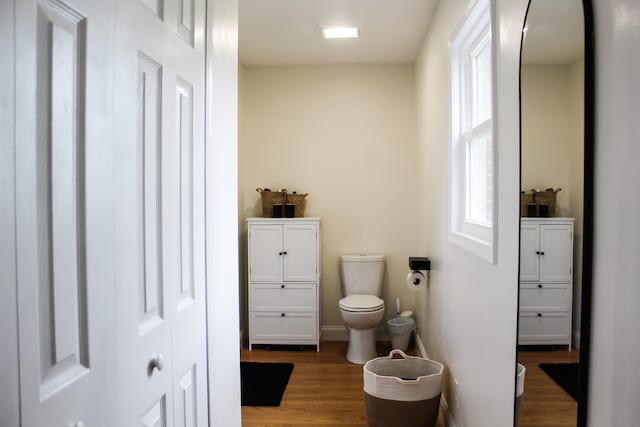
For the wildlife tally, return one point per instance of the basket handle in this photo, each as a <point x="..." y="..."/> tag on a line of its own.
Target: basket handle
<point x="396" y="352"/>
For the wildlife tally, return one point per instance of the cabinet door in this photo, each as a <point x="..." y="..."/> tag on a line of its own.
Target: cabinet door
<point x="265" y="253"/>
<point x="556" y="252"/>
<point x="301" y="253"/>
<point x="529" y="258"/>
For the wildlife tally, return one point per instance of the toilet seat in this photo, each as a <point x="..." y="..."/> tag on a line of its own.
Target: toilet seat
<point x="361" y="303"/>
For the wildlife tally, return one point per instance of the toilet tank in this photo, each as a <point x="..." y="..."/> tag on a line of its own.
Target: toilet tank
<point x="361" y="274"/>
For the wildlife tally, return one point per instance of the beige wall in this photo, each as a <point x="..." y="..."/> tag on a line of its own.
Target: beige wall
<point x="347" y="136"/>
<point x="549" y="131"/>
<point x="576" y="182"/>
<point x="467" y="317"/>
<point x="552" y="147"/>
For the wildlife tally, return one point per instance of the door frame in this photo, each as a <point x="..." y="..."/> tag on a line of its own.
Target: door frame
<point x="9" y="355"/>
<point x="221" y="213"/>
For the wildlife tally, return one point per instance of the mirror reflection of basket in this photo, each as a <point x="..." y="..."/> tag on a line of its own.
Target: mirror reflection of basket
<point x="530" y="204"/>
<point x="270" y="198"/>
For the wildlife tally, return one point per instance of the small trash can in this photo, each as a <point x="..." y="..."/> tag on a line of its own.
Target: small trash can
<point x="402" y="392"/>
<point x="520" y="371"/>
<point x="400" y="329"/>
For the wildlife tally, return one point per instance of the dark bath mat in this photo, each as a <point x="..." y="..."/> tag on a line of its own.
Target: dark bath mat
<point x="565" y="375"/>
<point x="263" y="384"/>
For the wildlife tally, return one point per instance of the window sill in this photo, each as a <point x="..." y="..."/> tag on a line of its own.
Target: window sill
<point x="483" y="248"/>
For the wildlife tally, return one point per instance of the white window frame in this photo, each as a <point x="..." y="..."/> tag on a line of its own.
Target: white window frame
<point x="479" y="238"/>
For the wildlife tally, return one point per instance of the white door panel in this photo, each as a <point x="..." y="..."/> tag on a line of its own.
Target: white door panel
<point x="63" y="205"/>
<point x="556" y="251"/>
<point x="529" y="249"/>
<point x="109" y="184"/>
<point x="266" y="253"/>
<point x="300" y="246"/>
<point x="160" y="112"/>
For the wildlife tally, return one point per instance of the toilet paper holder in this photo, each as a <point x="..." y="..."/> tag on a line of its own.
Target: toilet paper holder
<point x="419" y="263"/>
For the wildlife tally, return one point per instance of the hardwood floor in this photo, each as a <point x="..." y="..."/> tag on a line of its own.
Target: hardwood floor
<point x="324" y="389"/>
<point x="544" y="402"/>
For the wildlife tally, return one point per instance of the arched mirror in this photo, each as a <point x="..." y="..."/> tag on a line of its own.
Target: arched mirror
<point x="556" y="111"/>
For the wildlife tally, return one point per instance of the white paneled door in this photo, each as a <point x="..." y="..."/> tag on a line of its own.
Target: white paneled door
<point x="64" y="221"/>
<point x="159" y="104"/>
<point x="109" y="177"/>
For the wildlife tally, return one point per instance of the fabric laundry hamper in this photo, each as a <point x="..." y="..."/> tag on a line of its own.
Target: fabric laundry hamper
<point x="402" y="392"/>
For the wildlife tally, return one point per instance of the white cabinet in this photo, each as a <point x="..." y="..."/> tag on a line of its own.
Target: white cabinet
<point x="284" y="281"/>
<point x="546" y="281"/>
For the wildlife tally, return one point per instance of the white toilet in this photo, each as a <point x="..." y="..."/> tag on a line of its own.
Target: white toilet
<point x="361" y="308"/>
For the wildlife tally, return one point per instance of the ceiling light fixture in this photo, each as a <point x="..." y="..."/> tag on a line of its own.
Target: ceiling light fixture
<point x="340" y="33"/>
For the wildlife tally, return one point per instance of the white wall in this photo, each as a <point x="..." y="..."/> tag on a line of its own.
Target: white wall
<point x="347" y="136"/>
<point x="614" y="380"/>
<point x="469" y="313"/>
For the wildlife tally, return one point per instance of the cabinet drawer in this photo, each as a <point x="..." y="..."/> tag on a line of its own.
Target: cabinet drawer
<point x="283" y="297"/>
<point x="545" y="327"/>
<point x="545" y="296"/>
<point x="283" y="327"/>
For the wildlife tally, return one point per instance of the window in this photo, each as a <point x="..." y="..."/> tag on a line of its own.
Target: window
<point x="472" y="168"/>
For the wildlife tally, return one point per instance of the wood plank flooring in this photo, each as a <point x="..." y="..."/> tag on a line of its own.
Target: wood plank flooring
<point x="546" y="404"/>
<point x="325" y="390"/>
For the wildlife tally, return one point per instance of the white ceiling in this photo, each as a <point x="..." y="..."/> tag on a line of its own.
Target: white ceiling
<point x="288" y="32"/>
<point x="555" y="32"/>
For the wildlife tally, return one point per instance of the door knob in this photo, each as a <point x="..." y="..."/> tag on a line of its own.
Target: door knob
<point x="156" y="362"/>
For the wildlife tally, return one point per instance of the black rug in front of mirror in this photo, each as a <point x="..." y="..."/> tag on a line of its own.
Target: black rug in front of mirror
<point x="263" y="384"/>
<point x="566" y="375"/>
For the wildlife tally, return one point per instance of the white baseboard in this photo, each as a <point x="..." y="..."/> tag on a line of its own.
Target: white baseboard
<point x="444" y="407"/>
<point x="446" y="413"/>
<point x="341" y="333"/>
<point x="420" y="346"/>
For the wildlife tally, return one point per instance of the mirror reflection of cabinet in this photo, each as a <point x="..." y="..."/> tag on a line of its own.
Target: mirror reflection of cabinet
<point x="557" y="150"/>
<point x="546" y="285"/>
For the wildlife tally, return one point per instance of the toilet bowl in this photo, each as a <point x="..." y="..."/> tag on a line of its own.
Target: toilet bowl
<point x="361" y="314"/>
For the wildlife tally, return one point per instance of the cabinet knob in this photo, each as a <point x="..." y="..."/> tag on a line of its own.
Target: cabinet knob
<point x="541" y="253"/>
<point x="279" y="253"/>
<point x="540" y="286"/>
<point x="537" y="252"/>
<point x="282" y="286"/>
<point x="282" y="315"/>
<point x="285" y="252"/>
<point x="539" y="314"/>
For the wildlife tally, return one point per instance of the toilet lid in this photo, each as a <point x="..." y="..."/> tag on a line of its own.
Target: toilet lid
<point x="361" y="303"/>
